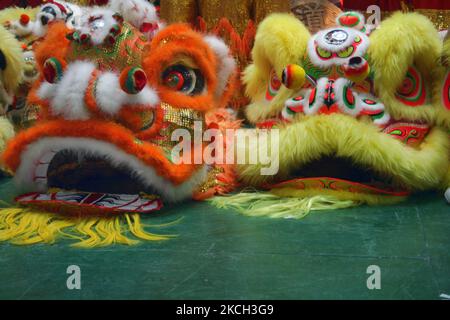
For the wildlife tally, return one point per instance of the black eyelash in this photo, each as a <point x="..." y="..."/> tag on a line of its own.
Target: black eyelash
<point x="2" y="61"/>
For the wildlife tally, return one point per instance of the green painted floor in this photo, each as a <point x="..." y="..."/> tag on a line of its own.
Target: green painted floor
<point x="222" y="255"/>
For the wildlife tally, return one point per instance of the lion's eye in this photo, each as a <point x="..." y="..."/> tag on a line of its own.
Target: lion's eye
<point x="184" y="79"/>
<point x="346" y="52"/>
<point x="49" y="10"/>
<point x="323" y="53"/>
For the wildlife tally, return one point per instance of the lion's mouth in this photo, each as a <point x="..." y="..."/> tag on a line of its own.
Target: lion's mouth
<point x="71" y="170"/>
<point x="76" y="179"/>
<point x="341" y="174"/>
<point x="82" y="172"/>
<point x="344" y="169"/>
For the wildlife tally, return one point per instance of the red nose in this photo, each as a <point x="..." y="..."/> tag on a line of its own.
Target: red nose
<point x="349" y="21"/>
<point x="24" y="19"/>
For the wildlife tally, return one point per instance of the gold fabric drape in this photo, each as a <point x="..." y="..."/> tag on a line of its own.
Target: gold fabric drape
<point x="238" y="12"/>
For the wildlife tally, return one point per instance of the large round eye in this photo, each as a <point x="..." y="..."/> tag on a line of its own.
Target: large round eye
<point x="273" y="86"/>
<point x="412" y="90"/>
<point x="346" y="52"/>
<point x="184" y="79"/>
<point x="323" y="53"/>
<point x="49" y="10"/>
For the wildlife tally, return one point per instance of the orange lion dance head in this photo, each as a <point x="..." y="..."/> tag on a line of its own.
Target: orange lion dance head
<point x="109" y="100"/>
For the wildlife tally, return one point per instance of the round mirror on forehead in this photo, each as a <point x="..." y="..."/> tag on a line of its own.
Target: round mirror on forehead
<point x="336" y="37"/>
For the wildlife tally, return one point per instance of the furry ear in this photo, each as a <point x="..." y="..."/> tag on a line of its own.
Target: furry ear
<point x="2" y="61"/>
<point x="281" y="39"/>
<point x="226" y="68"/>
<point x="11" y="60"/>
<point x="406" y="46"/>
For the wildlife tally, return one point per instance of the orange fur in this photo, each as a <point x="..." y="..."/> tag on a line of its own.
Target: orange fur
<point x="54" y="44"/>
<point x="172" y="44"/>
<point x="178" y="41"/>
<point x="104" y="131"/>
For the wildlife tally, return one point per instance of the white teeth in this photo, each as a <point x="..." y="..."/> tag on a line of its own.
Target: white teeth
<point x="130" y="207"/>
<point x="48" y="156"/>
<point x="151" y="206"/>
<point x="28" y="198"/>
<point x="41" y="184"/>
<point x="41" y="170"/>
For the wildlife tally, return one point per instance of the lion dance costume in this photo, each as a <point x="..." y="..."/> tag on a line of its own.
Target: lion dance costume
<point x="100" y="153"/>
<point x="11" y="72"/>
<point x="361" y="118"/>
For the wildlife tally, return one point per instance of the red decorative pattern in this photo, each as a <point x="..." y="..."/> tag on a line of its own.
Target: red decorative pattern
<point x="410" y="133"/>
<point x="446" y="92"/>
<point x="89" y="203"/>
<point x="334" y="184"/>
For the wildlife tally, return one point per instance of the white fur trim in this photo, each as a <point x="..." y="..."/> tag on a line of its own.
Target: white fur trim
<point x="77" y="12"/>
<point x="379" y="107"/>
<point x="111" y="98"/>
<point x="67" y="96"/>
<point x="225" y="62"/>
<point x="447" y="195"/>
<point x="47" y="90"/>
<point x="31" y="176"/>
<point x="320" y="94"/>
<point x="339" y="86"/>
<point x="39" y="29"/>
<point x="135" y="12"/>
<point x="97" y="35"/>
<point x="20" y="30"/>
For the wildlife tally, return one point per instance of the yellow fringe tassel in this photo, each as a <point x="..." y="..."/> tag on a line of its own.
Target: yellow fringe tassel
<point x="25" y="226"/>
<point x="264" y="204"/>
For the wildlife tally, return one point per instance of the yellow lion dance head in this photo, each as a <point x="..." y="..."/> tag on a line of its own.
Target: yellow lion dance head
<point x="362" y="117"/>
<point x="11" y="70"/>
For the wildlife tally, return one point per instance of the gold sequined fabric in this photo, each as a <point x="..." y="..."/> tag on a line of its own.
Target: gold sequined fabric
<point x="211" y="179"/>
<point x="239" y="12"/>
<point x="440" y="18"/>
<point x="126" y="51"/>
<point x="176" y="118"/>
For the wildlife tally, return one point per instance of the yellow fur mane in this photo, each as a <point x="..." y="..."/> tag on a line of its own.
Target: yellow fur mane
<point x="281" y="39"/>
<point x="12" y="75"/>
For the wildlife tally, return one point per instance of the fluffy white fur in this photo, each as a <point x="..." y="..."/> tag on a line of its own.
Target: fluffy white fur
<point x="379" y="107"/>
<point x="77" y="13"/>
<point x="40" y="29"/>
<point x="21" y="30"/>
<point x="38" y="152"/>
<point x="137" y="12"/>
<point x="67" y="96"/>
<point x="97" y="35"/>
<point x="320" y="94"/>
<point x="339" y="85"/>
<point x="111" y="98"/>
<point x="226" y="63"/>
<point x="447" y="195"/>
